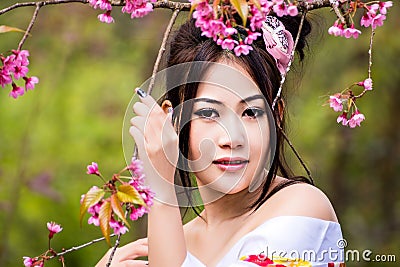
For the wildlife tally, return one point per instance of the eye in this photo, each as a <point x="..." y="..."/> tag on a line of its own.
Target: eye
<point x="207" y="113"/>
<point x="253" y="113"/>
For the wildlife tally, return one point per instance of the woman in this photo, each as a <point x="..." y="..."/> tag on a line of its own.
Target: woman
<point x="222" y="138"/>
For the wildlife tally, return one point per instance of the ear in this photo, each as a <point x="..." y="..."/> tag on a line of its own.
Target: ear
<point x="166" y="104"/>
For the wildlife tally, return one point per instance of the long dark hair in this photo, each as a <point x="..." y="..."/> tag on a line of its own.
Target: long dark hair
<point x="188" y="45"/>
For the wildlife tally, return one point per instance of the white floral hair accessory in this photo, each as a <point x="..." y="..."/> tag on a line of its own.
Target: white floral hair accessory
<point x="278" y="42"/>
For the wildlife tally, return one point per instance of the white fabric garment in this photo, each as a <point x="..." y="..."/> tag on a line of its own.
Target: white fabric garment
<point x="311" y="239"/>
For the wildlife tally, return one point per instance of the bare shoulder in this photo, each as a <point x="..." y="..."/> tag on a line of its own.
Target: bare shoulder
<point x="299" y="200"/>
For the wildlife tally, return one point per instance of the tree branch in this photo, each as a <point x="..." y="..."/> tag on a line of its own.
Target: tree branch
<point x="173" y="5"/>
<point x="28" y="30"/>
<point x="162" y="49"/>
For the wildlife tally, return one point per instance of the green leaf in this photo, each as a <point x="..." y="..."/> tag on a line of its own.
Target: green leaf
<point x="128" y="194"/>
<point x="91" y="198"/>
<point x="242" y="8"/>
<point x="116" y="207"/>
<point x="104" y="219"/>
<point x="4" y="28"/>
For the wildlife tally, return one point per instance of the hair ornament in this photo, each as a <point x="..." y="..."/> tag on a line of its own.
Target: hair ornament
<point x="278" y="42"/>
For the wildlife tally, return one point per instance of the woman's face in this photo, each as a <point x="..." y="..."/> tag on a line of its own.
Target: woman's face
<point x="229" y="134"/>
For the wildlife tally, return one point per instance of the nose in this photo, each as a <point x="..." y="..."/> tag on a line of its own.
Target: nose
<point x="232" y="134"/>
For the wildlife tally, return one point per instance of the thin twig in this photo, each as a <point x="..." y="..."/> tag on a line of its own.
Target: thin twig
<point x="371" y="40"/>
<point x="80" y="246"/>
<point x="182" y="6"/>
<point x="278" y="95"/>
<point x="296" y="153"/>
<point x="162" y="49"/>
<point x="28" y="30"/>
<point x="114" y="249"/>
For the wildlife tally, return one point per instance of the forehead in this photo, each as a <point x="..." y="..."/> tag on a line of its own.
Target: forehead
<point x="227" y="80"/>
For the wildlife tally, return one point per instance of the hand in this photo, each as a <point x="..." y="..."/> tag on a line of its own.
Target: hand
<point x="157" y="143"/>
<point x="126" y="255"/>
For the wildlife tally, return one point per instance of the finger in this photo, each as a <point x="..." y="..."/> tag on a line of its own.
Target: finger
<point x="139" y="122"/>
<point x="135" y="263"/>
<point x="140" y="109"/>
<point x="139" y="139"/>
<point x="132" y="252"/>
<point x="149" y="101"/>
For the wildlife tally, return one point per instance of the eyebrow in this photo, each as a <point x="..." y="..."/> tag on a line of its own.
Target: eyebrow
<point x="213" y="101"/>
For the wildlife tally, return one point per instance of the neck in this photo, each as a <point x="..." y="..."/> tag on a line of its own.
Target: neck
<point x="227" y="207"/>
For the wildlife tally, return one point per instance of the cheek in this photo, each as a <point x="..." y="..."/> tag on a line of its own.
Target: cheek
<point x="202" y="149"/>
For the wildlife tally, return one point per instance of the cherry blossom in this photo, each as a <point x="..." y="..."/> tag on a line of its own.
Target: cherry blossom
<point x="106" y="17"/>
<point x="351" y="32"/>
<point x="335" y="102"/>
<point x="336" y="29"/>
<point x="30" y="82"/>
<point x="343" y="119"/>
<point x="93" y="169"/>
<point x="367" y="84"/>
<point x="53" y="228"/>
<point x="16" y="91"/>
<point x="356" y="119"/>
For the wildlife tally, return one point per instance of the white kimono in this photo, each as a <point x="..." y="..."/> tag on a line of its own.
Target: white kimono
<point x="315" y="242"/>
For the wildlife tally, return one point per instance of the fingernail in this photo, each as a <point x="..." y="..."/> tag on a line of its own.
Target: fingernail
<point x="170" y="110"/>
<point x="140" y="92"/>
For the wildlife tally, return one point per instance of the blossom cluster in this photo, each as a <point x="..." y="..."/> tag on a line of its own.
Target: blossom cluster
<point x="345" y="102"/>
<point x="53" y="228"/>
<point x="220" y="21"/>
<point x="136" y="8"/>
<point x="15" y="67"/>
<point x="374" y="15"/>
<point x="133" y="195"/>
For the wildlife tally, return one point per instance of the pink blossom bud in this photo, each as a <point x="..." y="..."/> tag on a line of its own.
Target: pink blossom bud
<point x="93" y="169"/>
<point x="367" y="84"/>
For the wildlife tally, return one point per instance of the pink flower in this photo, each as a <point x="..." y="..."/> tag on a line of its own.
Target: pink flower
<point x="367" y="84"/>
<point x="5" y="77"/>
<point x="53" y="228"/>
<point x="227" y="43"/>
<point x="229" y="31"/>
<point x="251" y="36"/>
<point x="30" y="82"/>
<point x="343" y="119"/>
<point x="335" y="102"/>
<point x="280" y="9"/>
<point x="292" y="10"/>
<point x="94" y="220"/>
<point x="119" y="227"/>
<point x="136" y="213"/>
<point x="106" y="17"/>
<point x="366" y="20"/>
<point x="351" y="32"/>
<point x="336" y="29"/>
<point x="20" y="71"/>
<point x="356" y="119"/>
<point x="28" y="262"/>
<point x="142" y="11"/>
<point x="93" y="169"/>
<point x="377" y="21"/>
<point x="242" y="49"/>
<point x="16" y="91"/>
<point x="384" y="5"/>
<point x="21" y="56"/>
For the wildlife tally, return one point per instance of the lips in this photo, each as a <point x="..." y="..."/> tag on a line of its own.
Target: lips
<point x="230" y="164"/>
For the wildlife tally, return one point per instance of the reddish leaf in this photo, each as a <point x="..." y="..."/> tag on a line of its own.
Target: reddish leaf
<point x="242" y="8"/>
<point x="4" y="28"/>
<point x="91" y="198"/>
<point x="128" y="194"/>
<point x="117" y="209"/>
<point x="104" y="219"/>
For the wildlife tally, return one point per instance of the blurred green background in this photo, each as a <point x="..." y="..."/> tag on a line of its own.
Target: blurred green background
<point x="87" y="73"/>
